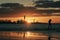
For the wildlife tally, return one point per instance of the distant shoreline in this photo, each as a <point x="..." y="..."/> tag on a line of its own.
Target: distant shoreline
<point x="30" y="23"/>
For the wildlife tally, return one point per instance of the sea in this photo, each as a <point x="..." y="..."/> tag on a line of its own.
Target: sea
<point x="28" y="34"/>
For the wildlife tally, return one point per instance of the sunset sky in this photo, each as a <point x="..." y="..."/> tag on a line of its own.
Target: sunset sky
<point x="30" y="14"/>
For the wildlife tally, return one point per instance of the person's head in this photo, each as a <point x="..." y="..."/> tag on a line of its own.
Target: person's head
<point x="50" y="19"/>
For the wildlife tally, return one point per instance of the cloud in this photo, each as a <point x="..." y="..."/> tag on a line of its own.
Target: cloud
<point x="28" y="11"/>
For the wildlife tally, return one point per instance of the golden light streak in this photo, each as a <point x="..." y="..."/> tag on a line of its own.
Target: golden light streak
<point x="44" y="19"/>
<point x="28" y="34"/>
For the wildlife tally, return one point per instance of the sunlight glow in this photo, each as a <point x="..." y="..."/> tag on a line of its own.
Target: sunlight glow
<point x="27" y="24"/>
<point x="29" y="21"/>
<point x="44" y="19"/>
<point x="28" y="34"/>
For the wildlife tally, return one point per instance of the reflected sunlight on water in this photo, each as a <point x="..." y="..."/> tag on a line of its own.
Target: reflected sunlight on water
<point x="28" y="35"/>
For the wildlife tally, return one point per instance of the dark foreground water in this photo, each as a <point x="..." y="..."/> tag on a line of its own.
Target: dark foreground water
<point x="29" y="35"/>
<point x="29" y="26"/>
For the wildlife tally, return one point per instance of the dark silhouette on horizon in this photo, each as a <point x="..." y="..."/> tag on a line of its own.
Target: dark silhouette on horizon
<point x="24" y="17"/>
<point x="49" y="24"/>
<point x="49" y="28"/>
<point x="10" y="22"/>
<point x="35" y="26"/>
<point x="23" y="22"/>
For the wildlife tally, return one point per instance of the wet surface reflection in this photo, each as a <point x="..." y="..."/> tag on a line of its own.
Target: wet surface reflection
<point x="28" y="35"/>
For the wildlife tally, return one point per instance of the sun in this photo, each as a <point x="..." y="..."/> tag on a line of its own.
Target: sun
<point x="29" y="21"/>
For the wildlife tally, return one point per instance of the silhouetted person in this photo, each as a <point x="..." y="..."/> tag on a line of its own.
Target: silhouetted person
<point x="49" y="24"/>
<point x="24" y="17"/>
<point x="49" y="28"/>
